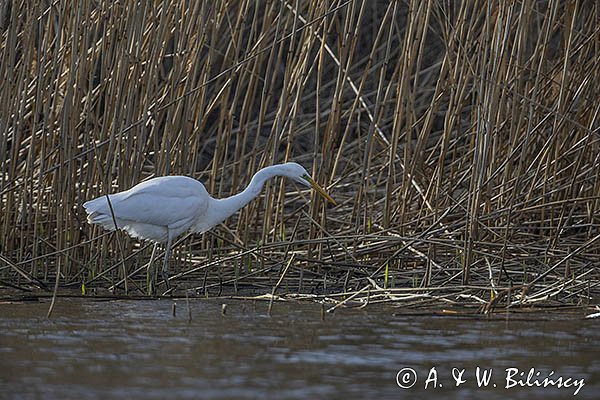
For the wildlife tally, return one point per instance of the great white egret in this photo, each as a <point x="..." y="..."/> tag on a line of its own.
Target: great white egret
<point x="160" y="209"/>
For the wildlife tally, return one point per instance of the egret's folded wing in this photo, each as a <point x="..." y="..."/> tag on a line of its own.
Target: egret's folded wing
<point x="158" y="209"/>
<point x="167" y="201"/>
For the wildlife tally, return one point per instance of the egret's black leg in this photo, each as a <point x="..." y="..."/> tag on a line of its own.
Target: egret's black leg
<point x="151" y="273"/>
<point x="165" y="268"/>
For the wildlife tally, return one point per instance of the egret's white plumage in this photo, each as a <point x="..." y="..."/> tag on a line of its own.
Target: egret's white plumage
<point x="161" y="209"/>
<point x="151" y="209"/>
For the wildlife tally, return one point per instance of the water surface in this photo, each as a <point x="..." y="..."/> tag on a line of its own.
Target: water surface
<point x="137" y="349"/>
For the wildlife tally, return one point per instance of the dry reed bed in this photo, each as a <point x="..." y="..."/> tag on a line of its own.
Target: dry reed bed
<point x="461" y="140"/>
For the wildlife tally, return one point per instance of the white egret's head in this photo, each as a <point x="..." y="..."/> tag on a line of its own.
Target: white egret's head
<point x="299" y="174"/>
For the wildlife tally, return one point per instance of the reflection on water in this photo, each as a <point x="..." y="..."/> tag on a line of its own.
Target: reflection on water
<point x="137" y="349"/>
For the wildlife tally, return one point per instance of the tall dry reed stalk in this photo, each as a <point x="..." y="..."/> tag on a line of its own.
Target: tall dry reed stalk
<point x="461" y="139"/>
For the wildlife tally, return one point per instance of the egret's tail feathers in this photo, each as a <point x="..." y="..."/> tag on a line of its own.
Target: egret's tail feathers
<point x="103" y="220"/>
<point x="99" y="213"/>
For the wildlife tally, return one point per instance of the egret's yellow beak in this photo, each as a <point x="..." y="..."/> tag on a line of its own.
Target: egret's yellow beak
<point x="319" y="189"/>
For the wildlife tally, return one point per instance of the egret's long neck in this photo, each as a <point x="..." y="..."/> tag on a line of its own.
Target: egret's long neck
<point x="230" y="205"/>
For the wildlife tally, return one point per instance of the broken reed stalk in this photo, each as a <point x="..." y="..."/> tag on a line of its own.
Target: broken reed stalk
<point x="461" y="141"/>
<point x="281" y="278"/>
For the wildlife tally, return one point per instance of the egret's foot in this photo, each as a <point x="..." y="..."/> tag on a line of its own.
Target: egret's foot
<point x="165" y="277"/>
